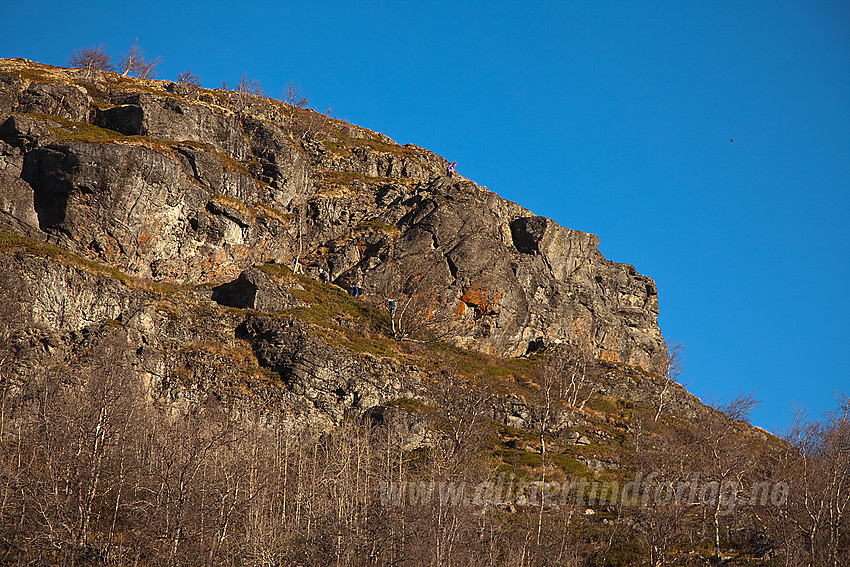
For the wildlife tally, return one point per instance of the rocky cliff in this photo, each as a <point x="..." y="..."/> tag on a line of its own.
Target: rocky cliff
<point x="175" y="384"/>
<point x="169" y="183"/>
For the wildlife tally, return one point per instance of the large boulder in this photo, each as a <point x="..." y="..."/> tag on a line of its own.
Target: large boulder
<point x="253" y="289"/>
<point x="10" y="87"/>
<point x="171" y="118"/>
<point x="71" y="102"/>
<point x="334" y="381"/>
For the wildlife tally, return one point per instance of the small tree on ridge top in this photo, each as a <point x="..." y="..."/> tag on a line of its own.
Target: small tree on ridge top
<point x="134" y="62"/>
<point x="91" y="58"/>
<point x="188" y="77"/>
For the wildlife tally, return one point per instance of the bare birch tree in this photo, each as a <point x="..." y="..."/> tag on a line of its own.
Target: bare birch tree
<point x="90" y="59"/>
<point x="673" y="366"/>
<point x="133" y="62"/>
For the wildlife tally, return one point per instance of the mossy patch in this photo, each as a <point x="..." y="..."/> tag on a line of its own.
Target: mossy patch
<point x="257" y="375"/>
<point x="34" y="72"/>
<point x="270" y="211"/>
<point x="225" y="160"/>
<point x="377" y="346"/>
<point x="520" y="459"/>
<point x="379" y="225"/>
<point x="217" y="97"/>
<point x="95" y="91"/>
<point x="11" y="242"/>
<point x="70" y="131"/>
<point x="169" y="309"/>
<point x="225" y="201"/>
<point x="567" y="464"/>
<point x="339" y="143"/>
<point x="514" y="433"/>
<point x="605" y="404"/>
<point x="504" y="375"/>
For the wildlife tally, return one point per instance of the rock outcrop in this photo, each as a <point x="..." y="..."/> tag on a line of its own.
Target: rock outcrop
<point x="193" y="187"/>
<point x="199" y="357"/>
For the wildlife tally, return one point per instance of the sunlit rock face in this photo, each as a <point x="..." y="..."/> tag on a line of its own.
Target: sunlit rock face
<point x="193" y="187"/>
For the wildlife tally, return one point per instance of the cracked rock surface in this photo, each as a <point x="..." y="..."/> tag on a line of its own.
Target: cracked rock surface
<point x="193" y="187"/>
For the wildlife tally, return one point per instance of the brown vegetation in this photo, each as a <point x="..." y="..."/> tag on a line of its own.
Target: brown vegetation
<point x="92" y="471"/>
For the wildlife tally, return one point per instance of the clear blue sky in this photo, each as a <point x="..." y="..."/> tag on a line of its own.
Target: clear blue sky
<point x="609" y="117"/>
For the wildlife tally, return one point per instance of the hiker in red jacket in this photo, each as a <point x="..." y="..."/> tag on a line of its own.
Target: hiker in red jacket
<point x="451" y="169"/>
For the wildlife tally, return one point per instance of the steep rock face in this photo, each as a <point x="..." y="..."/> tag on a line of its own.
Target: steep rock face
<point x="497" y="277"/>
<point x="194" y="186"/>
<point x="135" y="207"/>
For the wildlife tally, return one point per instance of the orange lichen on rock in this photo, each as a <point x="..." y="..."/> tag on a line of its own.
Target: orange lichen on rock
<point x="477" y="298"/>
<point x="144" y="238"/>
<point x="609" y="355"/>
